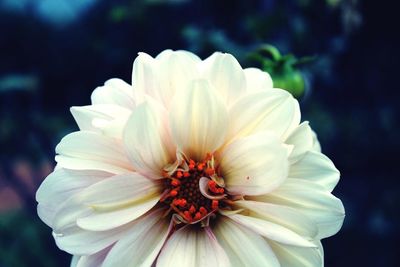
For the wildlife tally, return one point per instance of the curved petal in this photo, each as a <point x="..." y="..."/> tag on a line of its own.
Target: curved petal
<point x="274" y="110"/>
<point x="142" y="243"/>
<point x="317" y="168"/>
<point x="257" y="80"/>
<point x="116" y="92"/>
<point x="302" y="140"/>
<point x="147" y="140"/>
<point x="192" y="247"/>
<point x="254" y="165"/>
<point x="109" y="203"/>
<point x="312" y="200"/>
<point x="271" y="230"/>
<point x="226" y="75"/>
<point x="75" y="240"/>
<point x="93" y="260"/>
<point x="244" y="247"/>
<point x="288" y="217"/>
<point x="316" y="144"/>
<point x="198" y="120"/>
<point x="59" y="186"/>
<point x="88" y="150"/>
<point x="291" y="256"/>
<point x="103" y="118"/>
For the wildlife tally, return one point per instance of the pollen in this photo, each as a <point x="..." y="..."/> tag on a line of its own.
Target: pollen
<point x="183" y="193"/>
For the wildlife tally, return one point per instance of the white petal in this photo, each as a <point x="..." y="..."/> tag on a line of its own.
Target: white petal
<point x="103" y="118"/>
<point x="145" y="78"/>
<point x="147" y="140"/>
<point x="93" y="260"/>
<point x="198" y="120"/>
<point x="88" y="150"/>
<point x="316" y="144"/>
<point x="257" y="80"/>
<point x="312" y="200"/>
<point x="271" y="230"/>
<point x="291" y="256"/>
<point x="75" y="240"/>
<point x="59" y="186"/>
<point x="176" y="70"/>
<point x="302" y="141"/>
<point x="74" y="261"/>
<point x="192" y="247"/>
<point x="286" y="216"/>
<point x="142" y="243"/>
<point x="274" y="110"/>
<point x="254" y="165"/>
<point x="114" y="91"/>
<point x="226" y="75"/>
<point x="316" y="167"/>
<point x="109" y="203"/>
<point x="244" y="247"/>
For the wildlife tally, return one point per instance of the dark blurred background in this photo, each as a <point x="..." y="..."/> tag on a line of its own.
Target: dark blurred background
<point x="53" y="53"/>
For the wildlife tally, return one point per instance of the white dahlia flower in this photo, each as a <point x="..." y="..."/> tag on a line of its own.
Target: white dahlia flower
<point x="198" y="163"/>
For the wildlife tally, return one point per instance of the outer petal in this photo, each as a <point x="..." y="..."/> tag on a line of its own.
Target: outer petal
<point x="316" y="144"/>
<point x="271" y="230"/>
<point x="192" y="247"/>
<point x="88" y="150"/>
<point x="114" y="91"/>
<point x="59" y="186"/>
<point x="254" y="165"/>
<point x="244" y="247"/>
<point x="317" y="168"/>
<point x="198" y="120"/>
<point x="109" y="203"/>
<point x="93" y="260"/>
<point x="312" y="200"/>
<point x="274" y="110"/>
<point x="226" y="75"/>
<point x="257" y="80"/>
<point x="142" y="243"/>
<point x="102" y="118"/>
<point x="302" y="140"/>
<point x="288" y="217"/>
<point x="291" y="256"/>
<point x="147" y="140"/>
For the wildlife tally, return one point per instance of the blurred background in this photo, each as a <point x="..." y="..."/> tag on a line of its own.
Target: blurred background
<point x="339" y="58"/>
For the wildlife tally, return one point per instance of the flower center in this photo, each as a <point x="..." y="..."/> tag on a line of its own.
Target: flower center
<point x="193" y="190"/>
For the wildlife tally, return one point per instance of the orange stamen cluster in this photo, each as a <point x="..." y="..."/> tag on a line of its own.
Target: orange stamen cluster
<point x="183" y="194"/>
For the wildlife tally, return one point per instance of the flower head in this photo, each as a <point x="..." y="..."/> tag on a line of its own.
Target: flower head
<point x="198" y="163"/>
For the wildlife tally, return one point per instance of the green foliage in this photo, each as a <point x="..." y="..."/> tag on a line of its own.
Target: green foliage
<point x="284" y="69"/>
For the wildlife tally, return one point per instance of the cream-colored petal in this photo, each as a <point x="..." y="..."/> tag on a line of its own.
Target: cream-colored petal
<point x="198" y="120"/>
<point x="75" y="240"/>
<point x="226" y="75"/>
<point x="142" y="243"/>
<point x="271" y="230"/>
<point x="107" y="119"/>
<point x="147" y="140"/>
<point x="313" y="201"/>
<point x="110" y="203"/>
<point x="291" y="256"/>
<point x="255" y="164"/>
<point x="288" y="217"/>
<point x="273" y="110"/>
<point x="59" y="186"/>
<point x="116" y="92"/>
<point x="85" y="150"/>
<point x="316" y="167"/>
<point x="176" y="70"/>
<point x="302" y="140"/>
<point x="93" y="260"/>
<point x="243" y="246"/>
<point x="191" y="246"/>
<point x="257" y="80"/>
